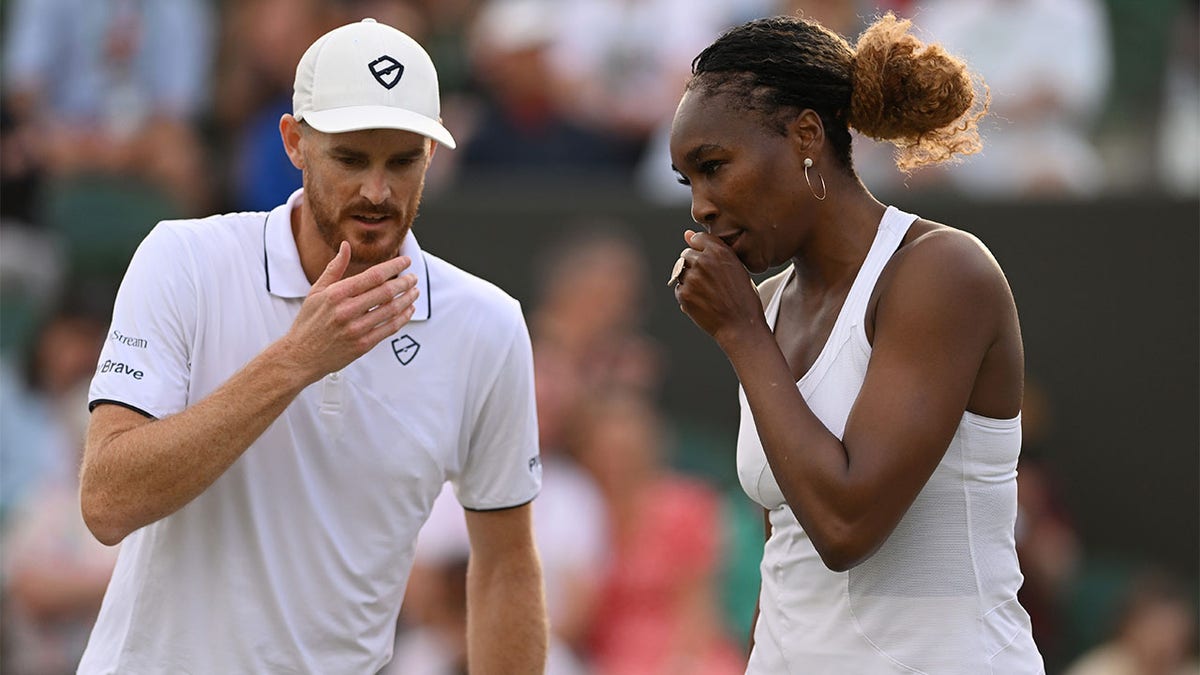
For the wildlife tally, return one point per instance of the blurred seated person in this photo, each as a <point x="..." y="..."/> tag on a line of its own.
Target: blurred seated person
<point x="621" y="65"/>
<point x="432" y="634"/>
<point x="658" y="611"/>
<point x="262" y="40"/>
<point x="20" y="176"/>
<point x="55" y="572"/>
<point x="518" y="125"/>
<point x="1155" y="633"/>
<point x="1046" y="92"/>
<point x="113" y="87"/>
<point x="599" y="342"/>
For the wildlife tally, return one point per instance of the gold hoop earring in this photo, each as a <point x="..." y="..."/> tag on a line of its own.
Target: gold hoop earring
<point x="824" y="192"/>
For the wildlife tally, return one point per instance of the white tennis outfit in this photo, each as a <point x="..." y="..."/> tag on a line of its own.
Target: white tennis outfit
<point x="295" y="560"/>
<point x="940" y="595"/>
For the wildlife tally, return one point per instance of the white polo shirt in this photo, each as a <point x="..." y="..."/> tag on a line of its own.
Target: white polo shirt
<point x="296" y="558"/>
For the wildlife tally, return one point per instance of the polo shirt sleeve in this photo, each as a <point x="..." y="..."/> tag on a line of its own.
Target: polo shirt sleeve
<point x="144" y="364"/>
<point x="503" y="468"/>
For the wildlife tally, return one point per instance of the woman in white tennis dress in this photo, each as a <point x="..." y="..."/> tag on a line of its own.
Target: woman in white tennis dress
<point x="881" y="372"/>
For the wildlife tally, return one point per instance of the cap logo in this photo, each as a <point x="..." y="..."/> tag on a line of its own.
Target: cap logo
<point x="387" y="71"/>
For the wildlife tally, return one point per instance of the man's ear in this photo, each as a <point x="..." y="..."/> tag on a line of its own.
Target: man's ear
<point x="292" y="134"/>
<point x="807" y="133"/>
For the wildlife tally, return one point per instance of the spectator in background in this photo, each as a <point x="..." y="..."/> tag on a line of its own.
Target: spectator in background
<point x="104" y="86"/>
<point x="578" y="348"/>
<point x="55" y="572"/>
<point x="431" y="638"/>
<point x="1179" y="130"/>
<point x="20" y="173"/>
<point x="568" y="522"/>
<point x="263" y="41"/>
<point x="25" y="429"/>
<point x="1155" y="632"/>
<point x="658" y="612"/>
<point x="445" y="34"/>
<point x="622" y="64"/>
<point x="1046" y="91"/>
<point x="518" y="124"/>
<point x="599" y="342"/>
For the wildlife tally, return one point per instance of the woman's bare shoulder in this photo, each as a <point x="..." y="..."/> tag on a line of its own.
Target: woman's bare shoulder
<point x="946" y="250"/>
<point x="941" y="265"/>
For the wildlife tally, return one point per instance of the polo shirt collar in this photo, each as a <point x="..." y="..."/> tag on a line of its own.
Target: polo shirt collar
<point x="285" y="275"/>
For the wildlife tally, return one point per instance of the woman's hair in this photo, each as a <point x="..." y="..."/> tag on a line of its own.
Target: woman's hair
<point x="890" y="86"/>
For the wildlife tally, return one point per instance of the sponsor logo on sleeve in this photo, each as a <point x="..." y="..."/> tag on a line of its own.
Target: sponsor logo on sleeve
<point x="128" y="340"/>
<point x="117" y="368"/>
<point x="535" y="466"/>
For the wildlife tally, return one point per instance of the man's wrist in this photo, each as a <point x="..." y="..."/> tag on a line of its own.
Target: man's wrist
<point x="283" y="360"/>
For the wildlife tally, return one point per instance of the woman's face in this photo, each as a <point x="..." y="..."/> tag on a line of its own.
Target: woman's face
<point x="743" y="176"/>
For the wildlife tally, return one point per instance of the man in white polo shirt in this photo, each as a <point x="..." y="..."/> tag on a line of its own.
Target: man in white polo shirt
<point x="283" y="395"/>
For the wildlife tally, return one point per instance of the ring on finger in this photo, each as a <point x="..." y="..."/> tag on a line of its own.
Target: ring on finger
<point x="677" y="272"/>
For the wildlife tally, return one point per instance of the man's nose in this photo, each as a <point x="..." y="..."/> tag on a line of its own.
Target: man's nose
<point x="375" y="188"/>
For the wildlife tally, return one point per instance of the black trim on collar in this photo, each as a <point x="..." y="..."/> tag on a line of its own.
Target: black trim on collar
<point x="266" y="266"/>
<point x="92" y="406"/>
<point x="502" y="508"/>
<point x="428" y="287"/>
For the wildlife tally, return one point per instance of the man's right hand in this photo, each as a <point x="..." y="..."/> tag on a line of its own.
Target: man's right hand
<point x="342" y="319"/>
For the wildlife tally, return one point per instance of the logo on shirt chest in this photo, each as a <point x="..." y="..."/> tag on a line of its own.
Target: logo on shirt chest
<point x="405" y="348"/>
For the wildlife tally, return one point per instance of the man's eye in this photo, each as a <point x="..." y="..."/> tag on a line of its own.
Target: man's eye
<point x="682" y="179"/>
<point x="347" y="161"/>
<point x="710" y="167"/>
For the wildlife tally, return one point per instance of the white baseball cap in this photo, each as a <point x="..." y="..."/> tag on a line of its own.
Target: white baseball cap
<point x="367" y="75"/>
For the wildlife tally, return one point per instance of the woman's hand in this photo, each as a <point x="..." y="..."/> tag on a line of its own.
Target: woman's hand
<point x="715" y="290"/>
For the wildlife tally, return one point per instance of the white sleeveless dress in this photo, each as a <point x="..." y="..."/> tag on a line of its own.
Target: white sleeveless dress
<point x="940" y="595"/>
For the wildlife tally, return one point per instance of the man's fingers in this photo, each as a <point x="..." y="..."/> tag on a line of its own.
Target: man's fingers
<point x="335" y="269"/>
<point x="385" y="314"/>
<point x="376" y="275"/>
<point x="383" y="330"/>
<point x="381" y="295"/>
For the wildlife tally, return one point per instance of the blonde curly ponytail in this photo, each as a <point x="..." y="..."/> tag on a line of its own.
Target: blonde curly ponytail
<point x="916" y="96"/>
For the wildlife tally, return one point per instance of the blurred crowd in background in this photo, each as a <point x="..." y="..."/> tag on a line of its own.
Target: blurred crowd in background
<point x="118" y="113"/>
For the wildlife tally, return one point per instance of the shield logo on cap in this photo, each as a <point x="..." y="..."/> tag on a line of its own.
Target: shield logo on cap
<point x="387" y="71"/>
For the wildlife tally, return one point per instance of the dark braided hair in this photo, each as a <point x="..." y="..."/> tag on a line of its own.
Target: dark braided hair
<point x="892" y="87"/>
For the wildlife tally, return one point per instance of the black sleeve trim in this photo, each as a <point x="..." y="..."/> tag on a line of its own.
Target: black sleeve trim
<point x="502" y="508"/>
<point x="92" y="406"/>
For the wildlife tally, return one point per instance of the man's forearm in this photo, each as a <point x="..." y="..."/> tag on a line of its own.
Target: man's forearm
<point x="507" y="631"/>
<point x="134" y="476"/>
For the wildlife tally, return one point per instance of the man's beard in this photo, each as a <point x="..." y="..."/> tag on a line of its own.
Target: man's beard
<point x="364" y="247"/>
